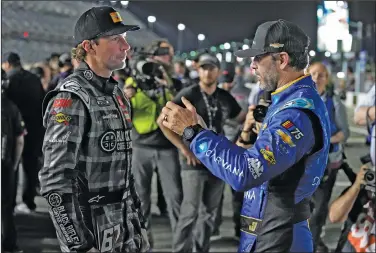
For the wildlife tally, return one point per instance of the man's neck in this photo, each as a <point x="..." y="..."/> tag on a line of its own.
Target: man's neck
<point x="288" y="78"/>
<point x="208" y="89"/>
<point x="98" y="70"/>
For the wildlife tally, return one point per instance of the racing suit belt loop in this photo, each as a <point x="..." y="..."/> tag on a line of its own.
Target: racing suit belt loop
<point x="104" y="198"/>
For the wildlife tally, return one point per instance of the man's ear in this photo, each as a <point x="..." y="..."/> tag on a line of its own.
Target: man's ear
<point x="88" y="46"/>
<point x="284" y="58"/>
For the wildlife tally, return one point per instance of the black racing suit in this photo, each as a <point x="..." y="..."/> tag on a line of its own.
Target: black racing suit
<point x="86" y="176"/>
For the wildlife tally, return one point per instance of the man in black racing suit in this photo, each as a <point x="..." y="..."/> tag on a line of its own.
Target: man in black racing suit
<point x="86" y="177"/>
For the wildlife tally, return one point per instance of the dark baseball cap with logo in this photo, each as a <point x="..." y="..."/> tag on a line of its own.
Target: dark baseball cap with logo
<point x="99" y="22"/>
<point x="277" y="36"/>
<point x="208" y="59"/>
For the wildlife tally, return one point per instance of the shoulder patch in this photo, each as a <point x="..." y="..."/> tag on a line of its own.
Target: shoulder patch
<point x="74" y="87"/>
<point x="299" y="103"/>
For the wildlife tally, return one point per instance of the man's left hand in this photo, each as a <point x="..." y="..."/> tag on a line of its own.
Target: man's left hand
<point x="177" y="118"/>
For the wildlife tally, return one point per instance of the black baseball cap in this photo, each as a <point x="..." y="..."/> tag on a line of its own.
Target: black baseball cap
<point x="98" y="22"/>
<point x="277" y="36"/>
<point x="11" y="58"/>
<point x="208" y="59"/>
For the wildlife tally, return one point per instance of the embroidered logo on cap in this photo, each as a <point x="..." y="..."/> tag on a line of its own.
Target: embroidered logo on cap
<point x="115" y="16"/>
<point x="276" y="45"/>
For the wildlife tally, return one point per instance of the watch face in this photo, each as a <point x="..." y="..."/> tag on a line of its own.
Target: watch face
<point x="188" y="133"/>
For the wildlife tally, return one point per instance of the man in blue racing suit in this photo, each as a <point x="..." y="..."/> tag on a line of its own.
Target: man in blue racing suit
<point x="284" y="166"/>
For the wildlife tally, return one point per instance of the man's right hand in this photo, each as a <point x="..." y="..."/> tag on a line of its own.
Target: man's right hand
<point x="191" y="158"/>
<point x="359" y="181"/>
<point x="129" y="92"/>
<point x="250" y="123"/>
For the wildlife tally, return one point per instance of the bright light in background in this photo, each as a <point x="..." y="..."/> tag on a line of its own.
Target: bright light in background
<point x="341" y="75"/>
<point x="227" y="45"/>
<point x="124" y="3"/>
<point x="239" y="59"/>
<point x="152" y="19"/>
<point x="113" y="2"/>
<point x="327" y="54"/>
<point x="181" y="27"/>
<point x="245" y="47"/>
<point x="188" y="63"/>
<point x="219" y="56"/>
<point x="228" y="56"/>
<point x="201" y="37"/>
<point x="312" y="53"/>
<point x="320" y="13"/>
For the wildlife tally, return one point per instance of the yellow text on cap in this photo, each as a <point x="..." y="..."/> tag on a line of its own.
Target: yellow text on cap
<point x="116" y="18"/>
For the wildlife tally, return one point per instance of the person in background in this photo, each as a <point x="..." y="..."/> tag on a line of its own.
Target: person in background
<point x="151" y="149"/>
<point x="181" y="73"/>
<point x="47" y="74"/>
<point x="12" y="143"/>
<point x="364" y="115"/>
<point x="231" y="129"/>
<point x="53" y="62"/>
<point x="339" y="134"/>
<point x="65" y="69"/>
<point x="26" y="91"/>
<point x="356" y="207"/>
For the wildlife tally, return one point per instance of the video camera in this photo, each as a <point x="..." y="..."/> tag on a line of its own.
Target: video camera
<point x="262" y="108"/>
<point x="145" y="71"/>
<point x="369" y="177"/>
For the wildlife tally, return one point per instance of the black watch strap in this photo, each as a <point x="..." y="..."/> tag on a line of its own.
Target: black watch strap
<point x="196" y="130"/>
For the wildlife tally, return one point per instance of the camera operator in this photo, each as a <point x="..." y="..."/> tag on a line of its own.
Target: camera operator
<point x="356" y="207"/>
<point x="149" y="89"/>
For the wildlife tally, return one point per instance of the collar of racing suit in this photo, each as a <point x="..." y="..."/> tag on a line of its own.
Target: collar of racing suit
<point x="105" y="85"/>
<point x="282" y="92"/>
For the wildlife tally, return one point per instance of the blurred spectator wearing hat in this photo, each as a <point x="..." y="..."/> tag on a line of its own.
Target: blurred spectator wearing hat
<point x="12" y="142"/>
<point x="26" y="91"/>
<point x="65" y="69"/>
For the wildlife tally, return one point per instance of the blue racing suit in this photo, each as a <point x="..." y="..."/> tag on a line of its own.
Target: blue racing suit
<point x="279" y="173"/>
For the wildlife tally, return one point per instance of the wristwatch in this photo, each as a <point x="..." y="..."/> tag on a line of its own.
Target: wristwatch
<point x="190" y="132"/>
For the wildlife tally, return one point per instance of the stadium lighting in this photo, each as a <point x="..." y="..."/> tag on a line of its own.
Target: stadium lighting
<point x="227" y="45"/>
<point x="327" y="54"/>
<point x="152" y="19"/>
<point x="201" y="37"/>
<point x="245" y="47"/>
<point x="124" y="3"/>
<point x="312" y="53"/>
<point x="181" y="27"/>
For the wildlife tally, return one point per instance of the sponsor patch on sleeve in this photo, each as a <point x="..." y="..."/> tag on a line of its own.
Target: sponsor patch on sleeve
<point x="291" y="128"/>
<point x="285" y="137"/>
<point x="60" y="215"/>
<point x="60" y="117"/>
<point x="268" y="155"/>
<point x="62" y="103"/>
